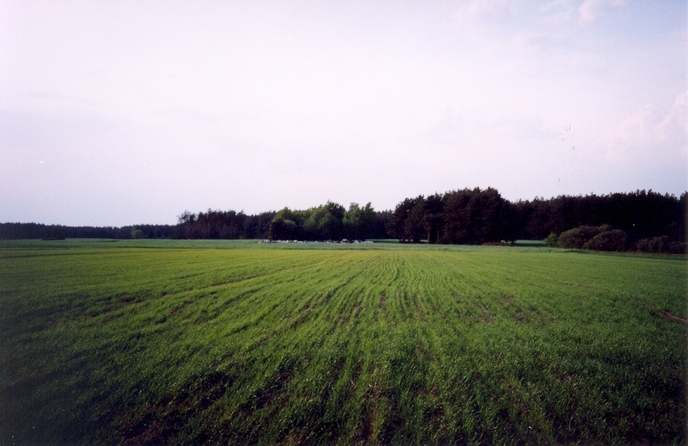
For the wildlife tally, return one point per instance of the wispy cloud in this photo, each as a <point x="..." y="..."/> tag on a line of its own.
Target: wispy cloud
<point x="655" y="131"/>
<point x="557" y="12"/>
<point x="591" y="10"/>
<point x="481" y="17"/>
<point x="484" y="10"/>
<point x="574" y="11"/>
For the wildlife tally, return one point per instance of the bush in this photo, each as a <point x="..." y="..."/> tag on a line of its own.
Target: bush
<point x="602" y="238"/>
<point x="577" y="237"/>
<point x="653" y="244"/>
<point x="612" y="240"/>
<point x="552" y="240"/>
<point x="661" y="244"/>
<point x="678" y="248"/>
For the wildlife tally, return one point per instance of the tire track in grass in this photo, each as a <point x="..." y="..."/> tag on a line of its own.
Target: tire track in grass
<point x="484" y="310"/>
<point x="308" y="309"/>
<point x="382" y="410"/>
<point x="166" y="419"/>
<point x="431" y="401"/>
<point x="383" y="306"/>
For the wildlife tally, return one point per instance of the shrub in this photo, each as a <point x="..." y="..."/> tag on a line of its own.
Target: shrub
<point x="577" y="237"/>
<point x="552" y="239"/>
<point x="678" y="248"/>
<point x="660" y="244"/>
<point x="611" y="240"/>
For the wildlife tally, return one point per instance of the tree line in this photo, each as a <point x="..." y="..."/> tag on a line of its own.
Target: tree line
<point x="12" y="231"/>
<point x="468" y="216"/>
<point x="640" y="214"/>
<point x="475" y="216"/>
<point x="330" y="221"/>
<point x="648" y="220"/>
<point x="215" y="224"/>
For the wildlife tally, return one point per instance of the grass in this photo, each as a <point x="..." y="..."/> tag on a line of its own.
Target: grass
<point x="235" y="342"/>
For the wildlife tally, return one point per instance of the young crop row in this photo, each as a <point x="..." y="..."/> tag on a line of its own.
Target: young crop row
<point x="340" y="346"/>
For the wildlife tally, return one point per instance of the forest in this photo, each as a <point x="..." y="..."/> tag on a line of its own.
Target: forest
<point x="646" y="221"/>
<point x="641" y="220"/>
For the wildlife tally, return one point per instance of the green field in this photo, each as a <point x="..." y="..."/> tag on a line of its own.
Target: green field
<point x="235" y="342"/>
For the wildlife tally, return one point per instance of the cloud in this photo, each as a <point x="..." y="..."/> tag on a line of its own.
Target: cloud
<point x="557" y="11"/>
<point x="482" y="12"/>
<point x="539" y="41"/>
<point x="654" y="131"/>
<point x="566" y="11"/>
<point x="478" y="16"/>
<point x="484" y="9"/>
<point x="591" y="10"/>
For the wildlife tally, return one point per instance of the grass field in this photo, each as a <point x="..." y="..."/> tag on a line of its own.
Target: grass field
<point x="234" y="342"/>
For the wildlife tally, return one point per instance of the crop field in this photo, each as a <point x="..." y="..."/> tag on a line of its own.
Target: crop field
<point x="159" y="342"/>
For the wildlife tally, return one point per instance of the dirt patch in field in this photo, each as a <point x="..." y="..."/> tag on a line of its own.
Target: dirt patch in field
<point x="235" y="280"/>
<point x="165" y="420"/>
<point x="418" y="308"/>
<point x="434" y="416"/>
<point x="262" y="341"/>
<point x="365" y="426"/>
<point x="523" y="408"/>
<point x="486" y="313"/>
<point x="535" y="311"/>
<point x="517" y="398"/>
<point x="383" y="307"/>
<point x="298" y="321"/>
<point x="271" y="393"/>
<point x="334" y="291"/>
<point x="421" y="351"/>
<point x="520" y="316"/>
<point x="348" y="315"/>
<point x="666" y="314"/>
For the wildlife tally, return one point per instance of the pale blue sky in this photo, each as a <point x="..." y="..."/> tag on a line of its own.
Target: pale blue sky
<point x="125" y="112"/>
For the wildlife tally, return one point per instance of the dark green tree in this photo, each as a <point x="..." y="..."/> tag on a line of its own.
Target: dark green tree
<point x="433" y="218"/>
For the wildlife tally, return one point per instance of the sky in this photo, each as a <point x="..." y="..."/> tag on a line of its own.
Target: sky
<point x="118" y="113"/>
